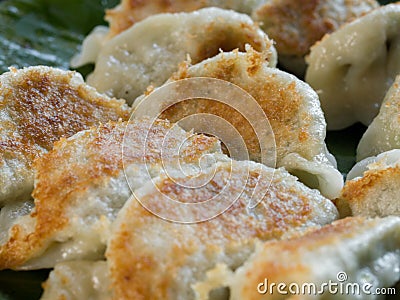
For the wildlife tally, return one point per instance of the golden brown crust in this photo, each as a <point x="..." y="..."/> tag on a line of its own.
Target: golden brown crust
<point x="47" y="106"/>
<point x="372" y="195"/>
<point x="140" y="270"/>
<point x="281" y="269"/>
<point x="297" y="260"/>
<point x="40" y="105"/>
<point x="280" y="96"/>
<point x="87" y="160"/>
<point x="356" y="190"/>
<point x="128" y="12"/>
<point x="296" y="25"/>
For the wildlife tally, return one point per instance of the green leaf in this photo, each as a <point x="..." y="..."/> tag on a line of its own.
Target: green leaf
<point x="46" y="32"/>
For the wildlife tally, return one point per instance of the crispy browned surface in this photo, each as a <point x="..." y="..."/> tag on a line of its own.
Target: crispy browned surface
<point x="372" y="194"/>
<point x="131" y="11"/>
<point x="296" y="25"/>
<point x="46" y="106"/>
<point x="38" y="106"/>
<point x="86" y="162"/>
<point x="292" y="260"/>
<point x="283" y="102"/>
<point x="356" y="190"/>
<point x="147" y="255"/>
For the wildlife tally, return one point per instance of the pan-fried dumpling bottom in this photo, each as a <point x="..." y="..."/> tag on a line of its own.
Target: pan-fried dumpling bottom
<point x="353" y="68"/>
<point x="80" y="186"/>
<point x="384" y="131"/>
<point x="152" y="258"/>
<point x="349" y="251"/>
<point x="291" y="106"/>
<point x="38" y="106"/>
<point x="296" y="25"/>
<point x="129" y="12"/>
<point x="372" y="188"/>
<point x="150" y="51"/>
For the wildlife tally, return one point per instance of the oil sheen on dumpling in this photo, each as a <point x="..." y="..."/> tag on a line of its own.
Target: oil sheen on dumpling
<point x="296" y="25"/>
<point x="129" y="12"/>
<point x="383" y="134"/>
<point x="38" y="106"/>
<point x="152" y="258"/>
<point x="291" y="106"/>
<point x="348" y="252"/>
<point x="80" y="186"/>
<point x="372" y="188"/>
<point x="353" y="68"/>
<point x="150" y="51"/>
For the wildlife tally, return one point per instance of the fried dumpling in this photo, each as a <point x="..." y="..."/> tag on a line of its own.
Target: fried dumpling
<point x="372" y="188"/>
<point x="130" y="12"/>
<point x="38" y="106"/>
<point x="296" y="25"/>
<point x="82" y="183"/>
<point x="290" y="105"/>
<point x="353" y="68"/>
<point x="150" y="51"/>
<point x="351" y="251"/>
<point x="384" y="131"/>
<point x="150" y="257"/>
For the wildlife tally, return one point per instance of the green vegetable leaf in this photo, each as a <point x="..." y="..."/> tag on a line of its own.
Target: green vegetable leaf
<point x="47" y="32"/>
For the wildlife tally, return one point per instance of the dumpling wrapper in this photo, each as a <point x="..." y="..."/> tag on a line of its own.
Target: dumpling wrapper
<point x="75" y="280"/>
<point x="150" y="51"/>
<point x="151" y="258"/>
<point x="291" y="106"/>
<point x="82" y="183"/>
<point x="353" y="68"/>
<point x="130" y="12"/>
<point x="38" y="106"/>
<point x="127" y="13"/>
<point x="366" y="251"/>
<point x="383" y="134"/>
<point x="372" y="188"/>
<point x="296" y="25"/>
